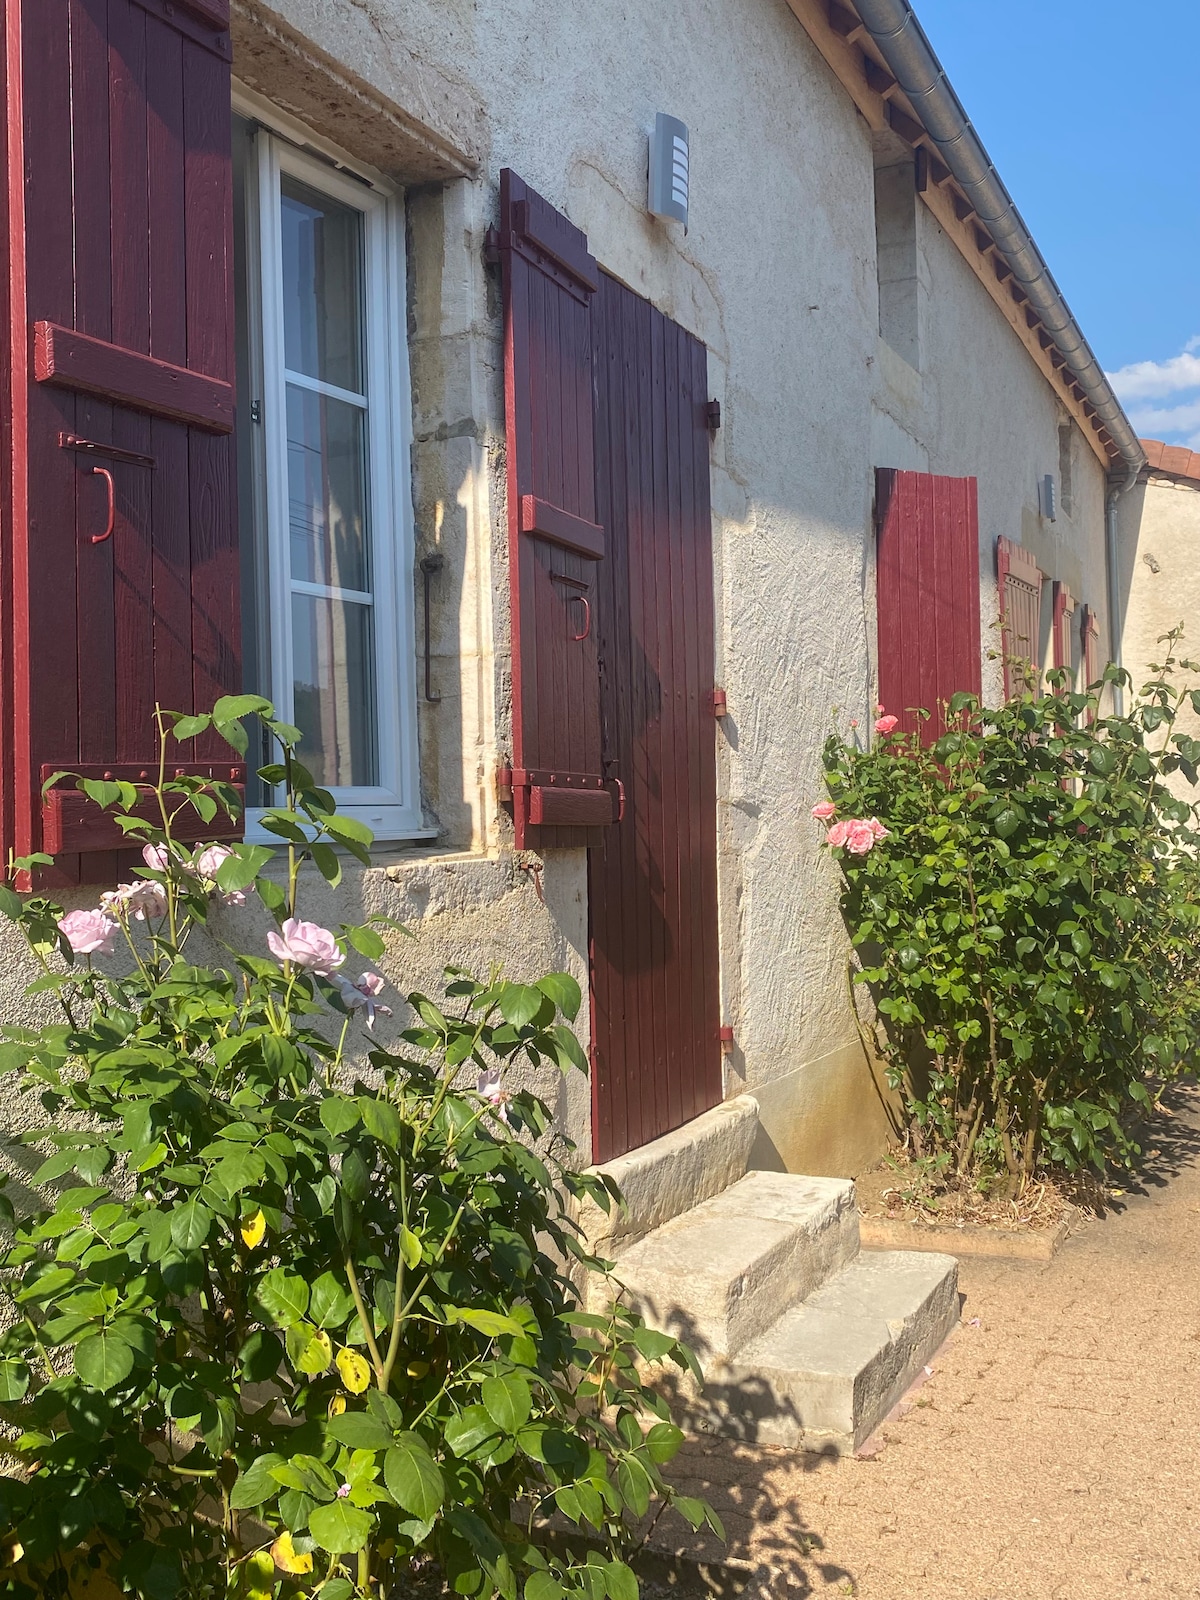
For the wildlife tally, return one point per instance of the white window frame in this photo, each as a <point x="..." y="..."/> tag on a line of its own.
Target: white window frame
<point x="392" y="807"/>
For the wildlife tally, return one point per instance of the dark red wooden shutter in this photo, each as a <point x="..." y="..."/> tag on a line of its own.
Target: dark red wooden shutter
<point x="122" y="586"/>
<point x="652" y="883"/>
<point x="1019" y="580"/>
<point x="927" y="594"/>
<point x="559" y="792"/>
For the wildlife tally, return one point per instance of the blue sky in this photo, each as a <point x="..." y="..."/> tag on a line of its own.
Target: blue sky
<point x="1091" y="111"/>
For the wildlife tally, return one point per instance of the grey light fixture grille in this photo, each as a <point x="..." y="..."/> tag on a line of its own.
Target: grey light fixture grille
<point x="669" y="168"/>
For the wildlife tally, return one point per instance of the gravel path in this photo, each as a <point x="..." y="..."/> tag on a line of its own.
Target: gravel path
<point x="1053" y="1455"/>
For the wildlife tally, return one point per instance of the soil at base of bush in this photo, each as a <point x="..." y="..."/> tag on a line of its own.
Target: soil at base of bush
<point x="902" y="1188"/>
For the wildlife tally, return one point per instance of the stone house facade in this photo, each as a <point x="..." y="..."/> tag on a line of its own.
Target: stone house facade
<point x="522" y="467"/>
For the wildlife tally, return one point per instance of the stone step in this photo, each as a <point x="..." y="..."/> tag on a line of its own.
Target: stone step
<point x="719" y="1275"/>
<point x="829" y="1371"/>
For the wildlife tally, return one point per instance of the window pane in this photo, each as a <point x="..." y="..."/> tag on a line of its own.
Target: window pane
<point x="322" y="287"/>
<point x="327" y="490"/>
<point x="333" y="668"/>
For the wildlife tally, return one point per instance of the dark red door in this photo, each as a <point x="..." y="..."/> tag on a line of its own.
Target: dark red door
<point x="653" y="878"/>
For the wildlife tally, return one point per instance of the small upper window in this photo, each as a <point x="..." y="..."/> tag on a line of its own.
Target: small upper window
<point x="324" y="468"/>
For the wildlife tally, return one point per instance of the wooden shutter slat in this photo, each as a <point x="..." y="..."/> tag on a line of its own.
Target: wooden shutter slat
<point x="555" y="541"/>
<point x="927" y="594"/>
<point x="97" y="366"/>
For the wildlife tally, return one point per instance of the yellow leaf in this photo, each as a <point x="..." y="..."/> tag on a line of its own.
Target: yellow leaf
<point x="318" y="1353"/>
<point x="18" y="1552"/>
<point x="254" y="1230"/>
<point x="286" y="1557"/>
<point x="356" y="1374"/>
<point x="417" y="1369"/>
<point x="337" y="1405"/>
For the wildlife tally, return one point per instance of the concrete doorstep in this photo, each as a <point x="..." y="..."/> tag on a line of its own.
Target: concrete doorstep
<point x="803" y="1340"/>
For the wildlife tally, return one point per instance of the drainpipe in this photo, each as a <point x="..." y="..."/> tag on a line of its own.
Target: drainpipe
<point x="1116" y="624"/>
<point x="911" y="61"/>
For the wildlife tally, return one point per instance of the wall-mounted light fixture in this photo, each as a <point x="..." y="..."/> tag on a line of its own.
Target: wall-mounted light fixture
<point x="1048" y="498"/>
<point x="669" y="159"/>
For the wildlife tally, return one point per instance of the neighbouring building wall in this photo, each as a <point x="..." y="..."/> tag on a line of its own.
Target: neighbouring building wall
<point x="1159" y="522"/>
<point x="778" y="276"/>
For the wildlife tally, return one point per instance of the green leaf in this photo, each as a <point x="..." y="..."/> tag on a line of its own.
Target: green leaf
<point x="634" y="1485"/>
<point x="413" y="1477"/>
<point x="103" y="1361"/>
<point x="330" y="1304"/>
<point x="190" y="1224"/>
<point x="543" y="1586"/>
<point x="256" y="1483"/>
<point x="365" y="940"/>
<point x="410" y="1248"/>
<point x="283" y="1297"/>
<point x="562" y="988"/>
<point x="239" y="870"/>
<point x="382" y="1122"/>
<point x="360" y="1430"/>
<point x="339" y="1113"/>
<point x="189" y="727"/>
<point x="508" y="1402"/>
<point x="327" y="862"/>
<point x="14" y="1381"/>
<point x="11" y="904"/>
<point x="663" y="1442"/>
<point x="340" y="1527"/>
<point x="349" y="829"/>
<point x="491" y="1323"/>
<point x="519" y="1003"/>
<point x="620" y="1582"/>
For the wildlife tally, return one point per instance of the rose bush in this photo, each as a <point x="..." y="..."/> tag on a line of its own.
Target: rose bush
<point x="291" y="1324"/>
<point x="1028" y="919"/>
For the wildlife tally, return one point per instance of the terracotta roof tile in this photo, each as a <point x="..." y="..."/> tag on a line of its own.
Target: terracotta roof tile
<point x="1174" y="459"/>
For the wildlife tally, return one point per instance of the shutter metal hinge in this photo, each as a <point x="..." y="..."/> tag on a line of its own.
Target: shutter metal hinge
<point x="726" y="1041"/>
<point x="491" y="248"/>
<point x="504" y="785"/>
<point x="720" y="705"/>
<point x="712" y="415"/>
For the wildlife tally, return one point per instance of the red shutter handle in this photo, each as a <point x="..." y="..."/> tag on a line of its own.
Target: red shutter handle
<point x="99" y="538"/>
<point x="587" y="617"/>
<point x="620" y="799"/>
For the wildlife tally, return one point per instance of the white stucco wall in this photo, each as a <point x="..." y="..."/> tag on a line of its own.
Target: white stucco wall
<point x="1159" y="523"/>
<point x="777" y="275"/>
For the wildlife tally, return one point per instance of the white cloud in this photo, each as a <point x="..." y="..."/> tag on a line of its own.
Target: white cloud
<point x="1154" y="380"/>
<point x="1176" y="379"/>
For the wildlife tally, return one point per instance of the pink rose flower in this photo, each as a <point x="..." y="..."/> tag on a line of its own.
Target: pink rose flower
<point x="824" y="810"/>
<point x="89" y="933"/>
<point x="837" y="835"/>
<point x="860" y="838"/>
<point x="306" y="945"/>
<point x="488" y="1085"/>
<point x="887" y="724"/>
<point x="141" y="899"/>
<point x="364" y="994"/>
<point x="877" y="828"/>
<point x="156" y="857"/>
<point x="210" y="860"/>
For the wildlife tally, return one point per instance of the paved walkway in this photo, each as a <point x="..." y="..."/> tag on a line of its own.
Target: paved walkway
<point x="1053" y="1455"/>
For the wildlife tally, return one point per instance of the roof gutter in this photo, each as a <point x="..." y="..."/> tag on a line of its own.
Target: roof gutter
<point x="910" y="58"/>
